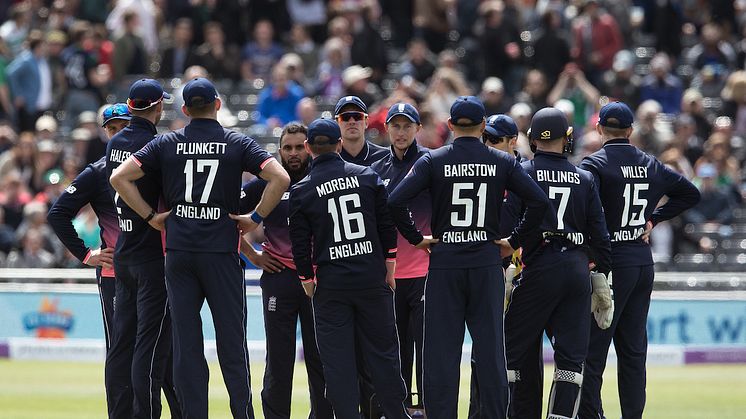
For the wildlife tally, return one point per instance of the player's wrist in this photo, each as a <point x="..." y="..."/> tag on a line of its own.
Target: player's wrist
<point x="256" y="217"/>
<point x="150" y="216"/>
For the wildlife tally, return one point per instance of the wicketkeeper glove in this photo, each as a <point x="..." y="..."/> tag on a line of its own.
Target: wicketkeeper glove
<point x="510" y="273"/>
<point x="602" y="299"/>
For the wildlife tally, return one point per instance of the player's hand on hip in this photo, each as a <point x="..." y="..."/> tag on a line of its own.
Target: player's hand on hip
<point x="158" y="222"/>
<point x="426" y="243"/>
<point x="309" y="287"/>
<point x="101" y="257"/>
<point x="505" y="248"/>
<point x="265" y="262"/>
<point x="245" y="223"/>
<point x="646" y="234"/>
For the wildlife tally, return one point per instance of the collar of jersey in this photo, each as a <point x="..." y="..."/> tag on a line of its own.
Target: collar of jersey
<point x="550" y="155"/>
<point x="362" y="155"/>
<point x="617" y="141"/>
<point x="462" y="140"/>
<point x="138" y="121"/>
<point x="409" y="155"/>
<point x="325" y="158"/>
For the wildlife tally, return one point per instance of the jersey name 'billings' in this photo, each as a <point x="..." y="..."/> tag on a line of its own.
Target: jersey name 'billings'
<point x="338" y="184"/>
<point x="197" y="213"/>
<point x="119" y="156"/>
<point x="469" y="169"/>
<point x="557" y="176"/>
<point x="200" y="148"/>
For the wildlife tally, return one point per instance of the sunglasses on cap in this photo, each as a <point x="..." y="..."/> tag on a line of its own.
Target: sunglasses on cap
<point x="355" y="116"/>
<point x="141" y="105"/>
<point x="119" y="109"/>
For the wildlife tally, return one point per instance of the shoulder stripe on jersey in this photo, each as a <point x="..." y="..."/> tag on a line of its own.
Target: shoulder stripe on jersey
<point x="137" y="162"/>
<point x="265" y="162"/>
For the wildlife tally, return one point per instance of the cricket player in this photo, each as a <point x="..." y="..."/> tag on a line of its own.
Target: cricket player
<point x="351" y="114"/>
<point x="630" y="183"/>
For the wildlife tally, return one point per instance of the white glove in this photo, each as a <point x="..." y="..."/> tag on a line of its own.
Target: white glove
<point x="602" y="301"/>
<point x="509" y="275"/>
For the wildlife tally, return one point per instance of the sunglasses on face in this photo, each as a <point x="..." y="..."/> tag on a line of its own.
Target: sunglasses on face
<point x="119" y="109"/>
<point x="355" y="116"/>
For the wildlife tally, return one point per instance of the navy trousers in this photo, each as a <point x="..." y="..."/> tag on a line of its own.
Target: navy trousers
<point x="192" y="278"/>
<point x="284" y="304"/>
<point x="409" y="308"/>
<point x="632" y="288"/>
<point x="368" y="314"/>
<point x="137" y="360"/>
<point x="106" y="291"/>
<point x="454" y="299"/>
<point x="553" y="293"/>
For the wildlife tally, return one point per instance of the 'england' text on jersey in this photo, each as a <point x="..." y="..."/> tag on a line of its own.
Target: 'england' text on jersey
<point x="119" y="156"/>
<point x="200" y="148"/>
<point x="627" y="235"/>
<point x="351" y="249"/>
<point x="469" y="169"/>
<point x="634" y="172"/>
<point x="339" y="184"/>
<point x="557" y="176"/>
<point x="197" y="213"/>
<point x="464" y="236"/>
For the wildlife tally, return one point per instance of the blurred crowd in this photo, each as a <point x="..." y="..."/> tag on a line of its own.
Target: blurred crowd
<point x="679" y="63"/>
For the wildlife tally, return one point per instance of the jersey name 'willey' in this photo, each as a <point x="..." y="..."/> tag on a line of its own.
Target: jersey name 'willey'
<point x="194" y="211"/>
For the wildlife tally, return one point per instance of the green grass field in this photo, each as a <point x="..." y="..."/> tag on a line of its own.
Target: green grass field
<point x="56" y="390"/>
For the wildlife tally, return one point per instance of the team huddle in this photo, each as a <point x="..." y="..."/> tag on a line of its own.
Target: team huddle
<point x="384" y="255"/>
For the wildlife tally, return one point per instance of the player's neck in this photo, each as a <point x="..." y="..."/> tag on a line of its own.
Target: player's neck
<point x="353" y="147"/>
<point x="400" y="153"/>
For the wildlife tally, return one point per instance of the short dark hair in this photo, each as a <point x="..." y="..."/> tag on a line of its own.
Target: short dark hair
<point x="293" y="128"/>
<point x="322" y="145"/>
<point x="200" y="107"/>
<point x="614" y="132"/>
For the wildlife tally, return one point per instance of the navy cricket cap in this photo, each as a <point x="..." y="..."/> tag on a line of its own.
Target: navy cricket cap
<point x="323" y="128"/>
<point x="467" y="107"/>
<point x="199" y="87"/>
<point x="145" y="93"/>
<point x="350" y="100"/>
<point x="618" y="111"/>
<point x="115" y="111"/>
<point x="549" y="124"/>
<point x="501" y="126"/>
<point x="404" y="109"/>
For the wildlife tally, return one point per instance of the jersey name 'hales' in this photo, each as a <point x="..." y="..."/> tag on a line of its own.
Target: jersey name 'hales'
<point x="557" y="176"/>
<point x="200" y="148"/>
<point x="469" y="169"/>
<point x="119" y="156"/>
<point x="634" y="172"/>
<point x="338" y="184"/>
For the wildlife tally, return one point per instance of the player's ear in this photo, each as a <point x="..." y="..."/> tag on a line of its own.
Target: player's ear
<point x="598" y="129"/>
<point x="339" y="146"/>
<point x="184" y="110"/>
<point x="307" y="147"/>
<point x="629" y="131"/>
<point x="450" y="125"/>
<point x="218" y="104"/>
<point x="419" y="127"/>
<point x="483" y="125"/>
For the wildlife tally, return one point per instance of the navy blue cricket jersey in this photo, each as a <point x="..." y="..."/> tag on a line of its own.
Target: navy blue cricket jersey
<point x="369" y="154"/>
<point x="201" y="167"/>
<point x="512" y="209"/>
<point x="467" y="182"/>
<point x="576" y="217"/>
<point x="91" y="186"/>
<point x="138" y="241"/>
<point x="411" y="262"/>
<point x="339" y="212"/>
<point x="630" y="184"/>
<point x="276" y="230"/>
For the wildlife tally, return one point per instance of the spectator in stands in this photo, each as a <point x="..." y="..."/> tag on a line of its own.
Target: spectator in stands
<point x="7" y="236"/>
<point x="278" y="101"/>
<point x="302" y="44"/>
<point x="621" y="83"/>
<point x="356" y="80"/>
<point x="713" y="50"/>
<point x="499" y="42"/>
<point x="521" y="114"/>
<point x="434" y="132"/>
<point x="716" y="206"/>
<point x="92" y="137"/>
<point x="686" y="140"/>
<point x="309" y="15"/>
<point x="20" y="158"/>
<point x="717" y="152"/>
<point x="734" y="101"/>
<point x="130" y="56"/>
<point x="368" y="48"/>
<point x="431" y="22"/>
<point x="493" y="96"/>
<point x="14" y="195"/>
<point x="551" y="49"/>
<point x="6" y="107"/>
<point x="32" y="253"/>
<point x="35" y="219"/>
<point x="83" y="79"/>
<point x="180" y="55"/>
<point x="662" y="86"/>
<point x="47" y="158"/>
<point x="307" y="111"/>
<point x="535" y="90"/>
<point x="710" y="80"/>
<point x="650" y="135"/>
<point x="260" y="55"/>
<point x="597" y="39"/>
<point x="54" y="184"/>
<point x="30" y="81"/>
<point x="446" y="85"/>
<point x="674" y="158"/>
<point x="56" y="42"/>
<point x="335" y="60"/>
<point x="692" y="105"/>
<point x="147" y="13"/>
<point x="293" y="64"/>
<point x="221" y="60"/>
<point x="17" y="27"/>
<point x="418" y="62"/>
<point x="573" y="86"/>
<point x="8" y="138"/>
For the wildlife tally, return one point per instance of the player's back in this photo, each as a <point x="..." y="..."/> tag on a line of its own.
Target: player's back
<point x="201" y="167"/>
<point x="468" y="181"/>
<point x="631" y="183"/>
<point x="344" y="206"/>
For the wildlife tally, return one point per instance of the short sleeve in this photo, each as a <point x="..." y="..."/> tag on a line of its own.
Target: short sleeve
<point x="254" y="157"/>
<point x="148" y="157"/>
